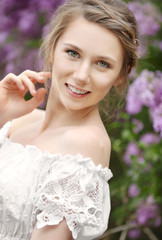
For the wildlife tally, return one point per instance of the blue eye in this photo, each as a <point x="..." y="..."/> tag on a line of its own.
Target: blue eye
<point x="73" y="53"/>
<point x="103" y="64"/>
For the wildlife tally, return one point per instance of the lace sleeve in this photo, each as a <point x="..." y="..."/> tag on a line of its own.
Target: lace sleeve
<point x="72" y="187"/>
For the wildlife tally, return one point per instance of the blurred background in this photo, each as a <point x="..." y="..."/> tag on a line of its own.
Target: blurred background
<point x="136" y="159"/>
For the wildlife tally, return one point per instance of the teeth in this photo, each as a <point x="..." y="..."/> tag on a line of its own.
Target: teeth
<point x="76" y="90"/>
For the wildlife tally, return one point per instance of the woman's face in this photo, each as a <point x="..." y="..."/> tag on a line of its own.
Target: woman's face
<point x="86" y="64"/>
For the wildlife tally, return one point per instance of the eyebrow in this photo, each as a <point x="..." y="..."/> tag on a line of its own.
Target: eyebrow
<point x="73" y="46"/>
<point x="101" y="57"/>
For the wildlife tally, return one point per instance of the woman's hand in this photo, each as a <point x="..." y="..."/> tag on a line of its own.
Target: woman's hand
<point x="13" y="89"/>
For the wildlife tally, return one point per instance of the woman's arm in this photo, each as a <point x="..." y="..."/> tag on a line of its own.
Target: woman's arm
<point x="58" y="232"/>
<point x="12" y="91"/>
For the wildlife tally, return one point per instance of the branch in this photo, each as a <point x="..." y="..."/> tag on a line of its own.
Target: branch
<point x="124" y="229"/>
<point x="149" y="233"/>
<point x="123" y="235"/>
<point x="118" y="229"/>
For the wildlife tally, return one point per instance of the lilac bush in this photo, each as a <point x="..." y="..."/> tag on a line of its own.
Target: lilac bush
<point x="138" y="189"/>
<point x="149" y="21"/>
<point x="132" y="150"/>
<point x="142" y="134"/>
<point x="139" y="145"/>
<point x="148" y="17"/>
<point x="134" y="233"/>
<point x="146" y="90"/>
<point x="148" y="210"/>
<point x="21" y="28"/>
<point x="133" y="190"/>
<point x="147" y="213"/>
<point x="150" y="138"/>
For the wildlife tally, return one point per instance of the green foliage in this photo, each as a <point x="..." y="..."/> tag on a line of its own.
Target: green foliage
<point x="144" y="170"/>
<point x="146" y="175"/>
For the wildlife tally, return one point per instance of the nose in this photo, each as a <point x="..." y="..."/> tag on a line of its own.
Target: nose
<point x="82" y="73"/>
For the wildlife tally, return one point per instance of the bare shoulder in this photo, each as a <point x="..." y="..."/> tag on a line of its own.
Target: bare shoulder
<point x="26" y="120"/>
<point x="89" y="141"/>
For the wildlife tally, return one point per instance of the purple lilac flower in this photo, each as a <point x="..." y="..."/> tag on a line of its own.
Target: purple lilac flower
<point x="3" y="37"/>
<point x="143" y="214"/>
<point x="147" y="98"/>
<point x="150" y="200"/>
<point x="134" y="102"/>
<point x="158" y="221"/>
<point x="8" y="54"/>
<point x="148" y="17"/>
<point x="147" y="211"/>
<point x="45" y="30"/>
<point x="45" y="5"/>
<point x="9" y="11"/>
<point x="138" y="125"/>
<point x="156" y="115"/>
<point x="144" y="87"/>
<point x="133" y="105"/>
<point x="133" y="190"/>
<point x="10" y="68"/>
<point x="12" y="51"/>
<point x="11" y="6"/>
<point x="133" y="74"/>
<point x="132" y="150"/>
<point x="158" y="93"/>
<point x="27" y="62"/>
<point x="6" y="23"/>
<point x="20" y="21"/>
<point x="146" y="90"/>
<point x="134" y="233"/>
<point x="149" y="138"/>
<point x="141" y="160"/>
<point x="28" y="23"/>
<point x="30" y="60"/>
<point x="143" y="47"/>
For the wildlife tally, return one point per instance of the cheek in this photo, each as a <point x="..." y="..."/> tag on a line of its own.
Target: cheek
<point x="103" y="83"/>
<point x="60" y="69"/>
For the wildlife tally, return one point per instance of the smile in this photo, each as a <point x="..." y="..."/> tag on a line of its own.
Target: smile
<point x="76" y="90"/>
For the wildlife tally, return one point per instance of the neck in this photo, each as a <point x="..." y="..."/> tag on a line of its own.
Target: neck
<point x="57" y="115"/>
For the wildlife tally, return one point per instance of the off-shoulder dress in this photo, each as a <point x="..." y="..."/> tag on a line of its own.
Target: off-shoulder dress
<point x="41" y="187"/>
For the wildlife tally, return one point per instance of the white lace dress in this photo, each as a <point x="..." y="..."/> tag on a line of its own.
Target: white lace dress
<point x="43" y="187"/>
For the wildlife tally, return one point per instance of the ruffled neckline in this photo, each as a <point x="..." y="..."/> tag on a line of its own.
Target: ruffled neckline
<point x="104" y="172"/>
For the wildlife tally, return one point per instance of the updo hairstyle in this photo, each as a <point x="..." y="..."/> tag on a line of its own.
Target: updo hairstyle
<point x="113" y="15"/>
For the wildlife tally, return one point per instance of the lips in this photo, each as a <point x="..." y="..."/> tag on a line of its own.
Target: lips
<point x="77" y="90"/>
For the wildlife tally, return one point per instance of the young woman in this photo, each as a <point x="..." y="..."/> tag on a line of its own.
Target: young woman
<point x="54" y="163"/>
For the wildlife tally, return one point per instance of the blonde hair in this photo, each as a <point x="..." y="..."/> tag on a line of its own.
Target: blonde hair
<point x="113" y="15"/>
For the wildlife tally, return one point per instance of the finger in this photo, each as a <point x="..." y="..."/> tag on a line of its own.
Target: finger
<point x="37" y="76"/>
<point x="45" y="75"/>
<point x="12" y="78"/>
<point x="37" y="99"/>
<point x="29" y="84"/>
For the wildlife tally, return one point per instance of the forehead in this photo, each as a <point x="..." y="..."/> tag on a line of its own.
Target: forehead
<point x="92" y="37"/>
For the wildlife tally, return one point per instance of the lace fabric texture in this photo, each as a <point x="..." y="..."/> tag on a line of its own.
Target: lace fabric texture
<point x="55" y="187"/>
